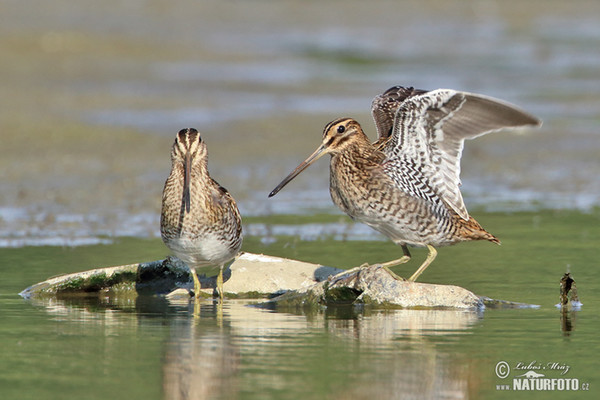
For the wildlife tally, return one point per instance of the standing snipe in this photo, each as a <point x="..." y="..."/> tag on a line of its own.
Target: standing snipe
<point x="406" y="184"/>
<point x="200" y="222"/>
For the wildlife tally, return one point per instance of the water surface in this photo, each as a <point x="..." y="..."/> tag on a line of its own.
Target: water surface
<point x="152" y="348"/>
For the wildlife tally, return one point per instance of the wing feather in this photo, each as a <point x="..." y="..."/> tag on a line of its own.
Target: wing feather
<point x="384" y="107"/>
<point x="428" y="135"/>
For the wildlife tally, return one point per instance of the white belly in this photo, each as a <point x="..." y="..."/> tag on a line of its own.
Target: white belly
<point x="210" y="250"/>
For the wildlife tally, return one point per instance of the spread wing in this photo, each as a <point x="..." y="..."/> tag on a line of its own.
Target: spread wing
<point x="384" y="107"/>
<point x="428" y="134"/>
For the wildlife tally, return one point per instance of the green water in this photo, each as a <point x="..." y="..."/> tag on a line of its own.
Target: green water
<point x="153" y="349"/>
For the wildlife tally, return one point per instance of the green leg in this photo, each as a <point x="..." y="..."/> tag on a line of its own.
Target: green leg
<point x="220" y="283"/>
<point x="428" y="260"/>
<point x="196" y="282"/>
<point x="404" y="259"/>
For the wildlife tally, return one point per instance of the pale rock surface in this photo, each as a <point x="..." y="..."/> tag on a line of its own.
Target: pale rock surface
<point x="256" y="275"/>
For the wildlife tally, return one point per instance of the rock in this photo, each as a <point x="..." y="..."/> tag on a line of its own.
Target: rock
<point x="153" y="277"/>
<point x="373" y="285"/>
<point x="262" y="275"/>
<point x="295" y="283"/>
<point x="250" y="275"/>
<point x="569" y="300"/>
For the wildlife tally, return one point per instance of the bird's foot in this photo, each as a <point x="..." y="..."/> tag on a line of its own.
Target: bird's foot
<point x="384" y="266"/>
<point x="195" y="292"/>
<point x="393" y="274"/>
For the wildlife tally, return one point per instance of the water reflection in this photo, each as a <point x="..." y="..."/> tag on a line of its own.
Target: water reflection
<point x="381" y="327"/>
<point x="201" y="361"/>
<point x="567" y="321"/>
<point x="239" y="350"/>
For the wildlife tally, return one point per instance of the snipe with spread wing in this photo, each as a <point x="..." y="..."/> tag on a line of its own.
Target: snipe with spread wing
<point x="406" y="184"/>
<point x="200" y="222"/>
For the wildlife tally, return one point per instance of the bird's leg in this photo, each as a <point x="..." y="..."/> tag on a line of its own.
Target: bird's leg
<point x="220" y="283"/>
<point x="196" y="282"/>
<point x="428" y="260"/>
<point x="404" y="259"/>
<point x="220" y="276"/>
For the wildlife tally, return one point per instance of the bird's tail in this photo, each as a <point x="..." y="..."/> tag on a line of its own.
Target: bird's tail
<point x="472" y="230"/>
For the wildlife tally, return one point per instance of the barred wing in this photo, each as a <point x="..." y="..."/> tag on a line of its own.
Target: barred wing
<point x="384" y="107"/>
<point x="428" y="135"/>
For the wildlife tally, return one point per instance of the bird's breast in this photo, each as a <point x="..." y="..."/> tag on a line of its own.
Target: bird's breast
<point x="208" y="249"/>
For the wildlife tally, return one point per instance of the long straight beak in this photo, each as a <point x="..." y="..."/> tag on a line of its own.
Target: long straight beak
<point x="303" y="165"/>
<point x="186" y="180"/>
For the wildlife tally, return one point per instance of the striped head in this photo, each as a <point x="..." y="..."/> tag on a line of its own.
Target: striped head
<point x="188" y="152"/>
<point x="338" y="135"/>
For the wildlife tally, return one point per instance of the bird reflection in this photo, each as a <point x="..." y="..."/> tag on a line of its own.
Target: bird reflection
<point x="201" y="361"/>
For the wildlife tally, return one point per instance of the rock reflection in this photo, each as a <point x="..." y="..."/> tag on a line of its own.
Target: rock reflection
<point x="236" y="350"/>
<point x="409" y="364"/>
<point x="362" y="347"/>
<point x="567" y="321"/>
<point x="390" y="325"/>
<point x="414" y="375"/>
<point x="97" y="314"/>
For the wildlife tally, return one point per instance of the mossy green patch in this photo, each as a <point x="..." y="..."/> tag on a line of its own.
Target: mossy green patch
<point x="71" y="285"/>
<point x="247" y="295"/>
<point x="341" y="295"/>
<point x="294" y="302"/>
<point x="95" y="282"/>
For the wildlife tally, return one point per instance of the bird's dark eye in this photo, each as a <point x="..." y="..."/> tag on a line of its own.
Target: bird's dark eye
<point x="341" y="129"/>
